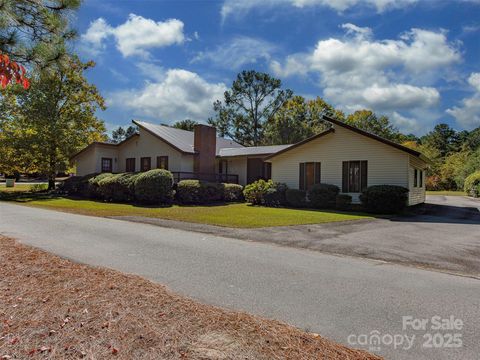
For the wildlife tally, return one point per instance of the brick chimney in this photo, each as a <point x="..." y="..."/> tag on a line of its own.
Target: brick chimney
<point x="205" y="144"/>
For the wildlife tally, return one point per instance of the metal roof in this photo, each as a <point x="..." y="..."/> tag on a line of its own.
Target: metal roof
<point x="251" y="150"/>
<point x="182" y="139"/>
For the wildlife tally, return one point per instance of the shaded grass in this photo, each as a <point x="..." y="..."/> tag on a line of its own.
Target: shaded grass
<point x="231" y="215"/>
<point x="57" y="309"/>
<point x="447" y="193"/>
<point x="16" y="188"/>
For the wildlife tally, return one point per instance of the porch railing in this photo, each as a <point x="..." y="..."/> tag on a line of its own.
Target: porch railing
<point x="219" y="178"/>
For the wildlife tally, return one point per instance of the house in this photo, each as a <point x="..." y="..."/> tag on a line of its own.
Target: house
<point x="198" y="154"/>
<point x="352" y="159"/>
<point x="343" y="155"/>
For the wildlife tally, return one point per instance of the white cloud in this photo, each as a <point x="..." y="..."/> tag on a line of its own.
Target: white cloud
<point x="180" y="94"/>
<point x="136" y="36"/>
<point x="358" y="71"/>
<point x="238" y="52"/>
<point x="468" y="113"/>
<point x="240" y="7"/>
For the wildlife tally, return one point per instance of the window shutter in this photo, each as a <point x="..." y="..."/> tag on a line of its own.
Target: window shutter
<point x="364" y="175"/>
<point x="317" y="172"/>
<point x="301" y="181"/>
<point x="345" y="177"/>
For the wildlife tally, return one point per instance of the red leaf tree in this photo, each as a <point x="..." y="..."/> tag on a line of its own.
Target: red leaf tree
<point x="11" y="72"/>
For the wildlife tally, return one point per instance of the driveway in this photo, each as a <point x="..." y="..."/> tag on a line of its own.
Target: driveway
<point x="444" y="236"/>
<point x="342" y="298"/>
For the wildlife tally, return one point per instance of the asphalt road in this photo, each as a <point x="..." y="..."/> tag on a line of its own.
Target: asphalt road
<point x="342" y="298"/>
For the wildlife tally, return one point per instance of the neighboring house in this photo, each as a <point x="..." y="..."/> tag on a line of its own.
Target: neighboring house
<point x="344" y="156"/>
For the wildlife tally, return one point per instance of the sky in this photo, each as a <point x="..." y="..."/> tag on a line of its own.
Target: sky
<point x="416" y="61"/>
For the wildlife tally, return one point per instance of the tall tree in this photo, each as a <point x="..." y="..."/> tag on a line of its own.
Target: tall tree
<point x="58" y="112"/>
<point x="247" y="107"/>
<point x="443" y="138"/>
<point x="299" y="119"/>
<point x="35" y="31"/>
<point x="120" y="134"/>
<point x="32" y="32"/>
<point x="186" y="124"/>
<point x="378" y="125"/>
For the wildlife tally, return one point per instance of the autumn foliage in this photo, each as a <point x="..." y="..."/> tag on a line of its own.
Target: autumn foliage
<point x="11" y="72"/>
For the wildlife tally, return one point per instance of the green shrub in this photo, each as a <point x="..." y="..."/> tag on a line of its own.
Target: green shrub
<point x="323" y="196"/>
<point x="472" y="184"/>
<point x="343" y="202"/>
<point x="199" y="192"/>
<point x="296" y="198"/>
<point x="118" y="188"/>
<point x="255" y="191"/>
<point x="232" y="192"/>
<point x="154" y="187"/>
<point x="71" y="186"/>
<point x="275" y="196"/>
<point x="39" y="187"/>
<point x="93" y="187"/>
<point x="384" y="199"/>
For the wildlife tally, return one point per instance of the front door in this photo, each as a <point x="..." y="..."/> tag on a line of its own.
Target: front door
<point x="309" y="174"/>
<point x="254" y="170"/>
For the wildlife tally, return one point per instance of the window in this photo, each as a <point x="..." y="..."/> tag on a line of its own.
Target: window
<point x="354" y="176"/>
<point x="162" y="162"/>
<point x="106" y="164"/>
<point x="223" y="167"/>
<point x="415" y="178"/>
<point x="130" y="165"/>
<point x="309" y="175"/>
<point x="420" y="178"/>
<point x="145" y="164"/>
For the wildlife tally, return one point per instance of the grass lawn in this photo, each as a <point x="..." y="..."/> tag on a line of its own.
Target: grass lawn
<point x="57" y="309"/>
<point x="231" y="215"/>
<point x="17" y="187"/>
<point x="447" y="193"/>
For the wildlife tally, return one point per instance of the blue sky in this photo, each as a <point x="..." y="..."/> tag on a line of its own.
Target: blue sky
<point x="416" y="61"/>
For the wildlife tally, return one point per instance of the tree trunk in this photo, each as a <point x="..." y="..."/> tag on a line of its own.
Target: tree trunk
<point x="52" y="169"/>
<point x="51" y="183"/>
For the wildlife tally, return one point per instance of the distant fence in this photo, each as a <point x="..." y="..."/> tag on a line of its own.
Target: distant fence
<point x="219" y="178"/>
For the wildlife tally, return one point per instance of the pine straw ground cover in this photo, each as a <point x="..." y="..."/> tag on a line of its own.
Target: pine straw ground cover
<point x="56" y="309"/>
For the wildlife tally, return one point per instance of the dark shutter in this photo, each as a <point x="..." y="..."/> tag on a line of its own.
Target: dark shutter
<point x="345" y="177"/>
<point x="364" y="175"/>
<point x="301" y="181"/>
<point x="317" y="172"/>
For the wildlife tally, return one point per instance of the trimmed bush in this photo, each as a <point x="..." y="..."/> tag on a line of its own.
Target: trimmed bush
<point x="296" y="198"/>
<point x="119" y="187"/>
<point x="472" y="184"/>
<point x="71" y="185"/>
<point x="199" y="192"/>
<point x="384" y="199"/>
<point x="93" y="185"/>
<point x="232" y="192"/>
<point x="322" y="196"/>
<point x="343" y="202"/>
<point x="154" y="187"/>
<point x="275" y="196"/>
<point x="255" y="191"/>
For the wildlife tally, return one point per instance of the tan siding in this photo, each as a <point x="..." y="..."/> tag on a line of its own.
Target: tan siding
<point x="238" y="166"/>
<point x="90" y="161"/>
<point x="416" y="194"/>
<point x="85" y="162"/>
<point x="147" y="145"/>
<point x="386" y="165"/>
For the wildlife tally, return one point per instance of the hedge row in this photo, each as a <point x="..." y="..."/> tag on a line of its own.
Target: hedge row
<point x="150" y="187"/>
<point x="383" y="199"/>
<point x="201" y="192"/>
<point x="269" y="193"/>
